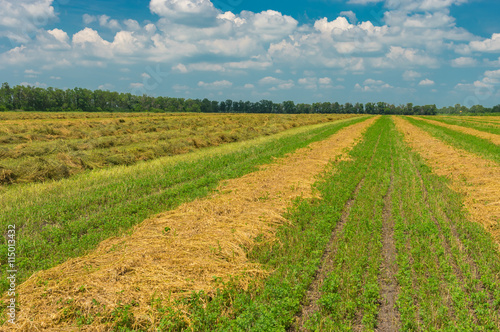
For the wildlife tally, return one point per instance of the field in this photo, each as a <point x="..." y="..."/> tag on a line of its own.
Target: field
<point x="324" y="223"/>
<point x="42" y="146"/>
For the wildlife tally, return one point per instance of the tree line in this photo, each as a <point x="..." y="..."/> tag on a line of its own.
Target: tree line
<point x="30" y="98"/>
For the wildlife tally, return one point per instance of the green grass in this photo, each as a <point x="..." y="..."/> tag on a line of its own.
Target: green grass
<point x="463" y="141"/>
<point x="62" y="219"/>
<point x="464" y="123"/>
<point x="443" y="259"/>
<point x="351" y="290"/>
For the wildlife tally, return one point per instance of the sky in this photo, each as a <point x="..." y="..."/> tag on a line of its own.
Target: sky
<point x="439" y="52"/>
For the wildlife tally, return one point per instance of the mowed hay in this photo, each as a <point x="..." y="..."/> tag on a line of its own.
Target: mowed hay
<point x="180" y="251"/>
<point x="495" y="139"/>
<point x="476" y="178"/>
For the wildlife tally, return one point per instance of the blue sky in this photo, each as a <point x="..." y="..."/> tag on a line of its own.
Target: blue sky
<point x="422" y="51"/>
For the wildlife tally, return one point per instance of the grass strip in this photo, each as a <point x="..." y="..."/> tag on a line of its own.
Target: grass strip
<point x="63" y="219"/>
<point x="440" y="272"/>
<point x="459" y="140"/>
<point x="351" y="291"/>
<point x="465" y="123"/>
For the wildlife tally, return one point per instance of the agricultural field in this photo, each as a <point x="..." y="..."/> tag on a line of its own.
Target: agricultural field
<point x="35" y="147"/>
<point x="327" y="223"/>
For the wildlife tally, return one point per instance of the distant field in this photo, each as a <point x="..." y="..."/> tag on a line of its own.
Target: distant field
<point x="36" y="147"/>
<point x="387" y="223"/>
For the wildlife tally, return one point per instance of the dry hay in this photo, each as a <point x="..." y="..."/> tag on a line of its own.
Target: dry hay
<point x="476" y="178"/>
<point x="495" y="139"/>
<point x="180" y="251"/>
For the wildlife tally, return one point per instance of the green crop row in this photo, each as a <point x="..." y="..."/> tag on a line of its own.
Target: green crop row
<point x="460" y="140"/>
<point x="351" y="292"/>
<point x="482" y="126"/>
<point x="63" y="219"/>
<point x="441" y="273"/>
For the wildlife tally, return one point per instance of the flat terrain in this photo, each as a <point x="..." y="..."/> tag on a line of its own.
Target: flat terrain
<point x="360" y="223"/>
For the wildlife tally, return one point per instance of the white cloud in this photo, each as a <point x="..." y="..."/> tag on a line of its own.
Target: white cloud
<point x="230" y="47"/>
<point x="325" y="80"/>
<point x="136" y="85"/>
<point x="426" y="82"/>
<point x="107" y="86"/>
<point x="104" y="21"/>
<point x="350" y="15"/>
<point x="336" y="27"/>
<point x="487" y="45"/>
<point x="55" y="77"/>
<point x="60" y="35"/>
<point x="249" y="86"/>
<point x="186" y="12"/>
<point x="21" y="17"/>
<point x="37" y="84"/>
<point x="410" y="75"/>
<point x="181" y="68"/>
<point x="215" y="85"/>
<point x="371" y="85"/>
<point x="269" y="80"/>
<point x="89" y="41"/>
<point x="31" y="71"/>
<point x="269" y="25"/>
<point x="403" y="57"/>
<point x="492" y="73"/>
<point x="132" y="25"/>
<point x="87" y="19"/>
<point x="463" y="62"/>
<point x="422" y="5"/>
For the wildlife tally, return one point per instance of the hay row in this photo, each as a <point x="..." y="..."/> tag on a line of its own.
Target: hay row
<point x="179" y="251"/>
<point x="495" y="139"/>
<point x="476" y="178"/>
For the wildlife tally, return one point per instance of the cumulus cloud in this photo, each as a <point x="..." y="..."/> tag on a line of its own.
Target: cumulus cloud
<point x="411" y="75"/>
<point x="187" y="12"/>
<point x="276" y="83"/>
<point x="372" y="85"/>
<point x="426" y="82"/>
<point x="487" y="45"/>
<point x="463" y="62"/>
<point x="422" y="5"/>
<point x="350" y="15"/>
<point x="19" y="18"/>
<point x="403" y="57"/>
<point x="104" y="21"/>
<point x="269" y="25"/>
<point x="87" y="19"/>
